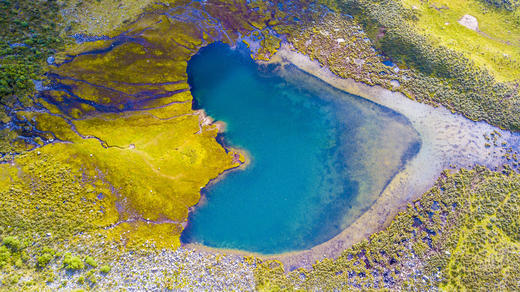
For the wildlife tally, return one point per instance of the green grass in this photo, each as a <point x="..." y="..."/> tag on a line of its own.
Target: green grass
<point x="496" y="47"/>
<point x="436" y="74"/>
<point x="160" y="159"/>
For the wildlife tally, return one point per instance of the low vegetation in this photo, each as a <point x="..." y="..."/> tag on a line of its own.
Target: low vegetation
<point x="120" y="156"/>
<point x="509" y="5"/>
<point x="443" y="74"/>
<point x="29" y="35"/>
<point x="462" y="234"/>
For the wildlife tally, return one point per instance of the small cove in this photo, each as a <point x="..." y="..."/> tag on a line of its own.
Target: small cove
<point x="319" y="157"/>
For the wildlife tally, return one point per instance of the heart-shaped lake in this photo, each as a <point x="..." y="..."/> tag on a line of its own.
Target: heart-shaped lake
<point x="319" y="157"/>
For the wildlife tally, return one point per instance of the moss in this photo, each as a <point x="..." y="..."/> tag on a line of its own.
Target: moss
<point x="106" y="17"/>
<point x="122" y="121"/>
<point x="81" y="280"/>
<point x="269" y="45"/>
<point x="44" y="195"/>
<point x="122" y="156"/>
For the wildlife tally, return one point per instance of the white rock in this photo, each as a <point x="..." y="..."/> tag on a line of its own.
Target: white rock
<point x="469" y="21"/>
<point x="395" y="83"/>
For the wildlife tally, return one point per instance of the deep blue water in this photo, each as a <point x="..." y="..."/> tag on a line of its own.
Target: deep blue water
<point x="389" y="63"/>
<point x="306" y="176"/>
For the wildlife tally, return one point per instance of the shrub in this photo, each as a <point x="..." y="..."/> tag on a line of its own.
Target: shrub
<point x="4" y="255"/>
<point x="12" y="243"/>
<point x="72" y="263"/>
<point x="441" y="75"/>
<point x="81" y="280"/>
<point x="90" y="261"/>
<point x="44" y="259"/>
<point x="509" y="5"/>
<point x="105" y="269"/>
<point x="47" y="249"/>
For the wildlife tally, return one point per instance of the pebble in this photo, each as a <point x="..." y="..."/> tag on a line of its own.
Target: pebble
<point x="183" y="269"/>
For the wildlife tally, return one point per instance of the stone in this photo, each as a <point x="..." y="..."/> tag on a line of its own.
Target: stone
<point x="469" y="21"/>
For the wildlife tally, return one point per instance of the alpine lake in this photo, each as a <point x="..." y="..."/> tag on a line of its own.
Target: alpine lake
<point x="317" y="157"/>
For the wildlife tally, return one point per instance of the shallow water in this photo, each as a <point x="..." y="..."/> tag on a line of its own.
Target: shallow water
<point x="319" y="156"/>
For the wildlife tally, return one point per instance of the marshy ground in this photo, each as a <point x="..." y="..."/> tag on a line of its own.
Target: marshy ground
<point x="103" y="158"/>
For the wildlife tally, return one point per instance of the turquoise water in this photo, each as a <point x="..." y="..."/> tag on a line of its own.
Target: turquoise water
<point x="318" y="156"/>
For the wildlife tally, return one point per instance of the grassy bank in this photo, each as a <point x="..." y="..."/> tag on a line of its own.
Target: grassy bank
<point x="462" y="234"/>
<point x="451" y="65"/>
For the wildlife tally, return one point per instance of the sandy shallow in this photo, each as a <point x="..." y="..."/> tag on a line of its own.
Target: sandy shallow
<point x="448" y="141"/>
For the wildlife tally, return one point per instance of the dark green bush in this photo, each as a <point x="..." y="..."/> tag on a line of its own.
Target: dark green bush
<point x="72" y="263"/>
<point x="91" y="262"/>
<point x="44" y="260"/>
<point x="5" y="255"/>
<point x="13" y="243"/>
<point x="104" y="269"/>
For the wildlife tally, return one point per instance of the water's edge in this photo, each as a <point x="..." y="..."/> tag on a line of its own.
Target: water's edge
<point x="448" y="140"/>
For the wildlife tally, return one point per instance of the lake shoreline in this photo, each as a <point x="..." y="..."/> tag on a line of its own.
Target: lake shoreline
<point x="448" y="141"/>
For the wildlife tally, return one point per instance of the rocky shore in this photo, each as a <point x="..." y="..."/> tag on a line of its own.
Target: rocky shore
<point x="184" y="269"/>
